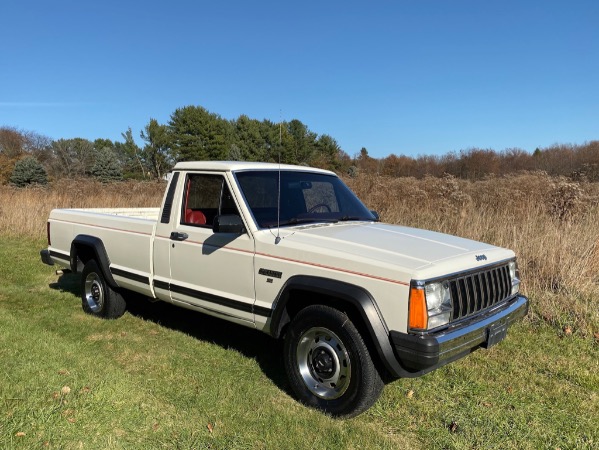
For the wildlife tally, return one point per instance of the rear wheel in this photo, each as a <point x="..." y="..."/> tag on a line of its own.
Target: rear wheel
<point x="97" y="297"/>
<point x="328" y="364"/>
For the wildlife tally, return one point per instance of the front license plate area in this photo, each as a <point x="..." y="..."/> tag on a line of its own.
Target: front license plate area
<point x="495" y="334"/>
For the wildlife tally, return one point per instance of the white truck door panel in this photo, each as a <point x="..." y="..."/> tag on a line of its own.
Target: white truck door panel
<point x="213" y="271"/>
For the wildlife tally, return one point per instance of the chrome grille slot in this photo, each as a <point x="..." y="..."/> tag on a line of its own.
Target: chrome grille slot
<point x="478" y="291"/>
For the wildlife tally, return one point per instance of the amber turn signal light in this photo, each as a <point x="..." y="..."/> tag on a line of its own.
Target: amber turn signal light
<point x="418" y="312"/>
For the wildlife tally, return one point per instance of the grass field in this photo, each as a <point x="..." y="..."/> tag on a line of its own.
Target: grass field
<point x="162" y="377"/>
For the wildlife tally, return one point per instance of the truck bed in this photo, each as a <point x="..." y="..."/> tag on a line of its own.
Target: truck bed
<point x="125" y="232"/>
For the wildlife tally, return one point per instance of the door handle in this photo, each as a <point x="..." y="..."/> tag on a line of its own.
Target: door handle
<point x="177" y="236"/>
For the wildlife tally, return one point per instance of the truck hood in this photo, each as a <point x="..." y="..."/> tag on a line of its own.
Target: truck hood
<point x="419" y="252"/>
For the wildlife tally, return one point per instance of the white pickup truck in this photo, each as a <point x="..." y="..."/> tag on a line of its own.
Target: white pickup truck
<point x="293" y="252"/>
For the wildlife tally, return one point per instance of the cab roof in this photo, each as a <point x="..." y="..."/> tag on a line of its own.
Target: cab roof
<point x="232" y="166"/>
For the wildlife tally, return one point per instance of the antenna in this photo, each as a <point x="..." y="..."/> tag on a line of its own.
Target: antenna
<point x="278" y="236"/>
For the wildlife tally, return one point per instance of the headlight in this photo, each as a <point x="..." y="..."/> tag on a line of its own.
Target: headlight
<point x="437" y="294"/>
<point x="430" y="305"/>
<point x="438" y="302"/>
<point x="515" y="276"/>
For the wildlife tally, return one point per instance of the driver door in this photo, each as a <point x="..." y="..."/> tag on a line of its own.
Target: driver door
<point x="211" y="271"/>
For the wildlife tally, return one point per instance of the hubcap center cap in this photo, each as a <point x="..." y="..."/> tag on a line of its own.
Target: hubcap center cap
<point x="323" y="362"/>
<point x="95" y="292"/>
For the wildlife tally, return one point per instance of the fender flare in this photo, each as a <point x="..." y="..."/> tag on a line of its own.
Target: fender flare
<point x="357" y="296"/>
<point x="96" y="246"/>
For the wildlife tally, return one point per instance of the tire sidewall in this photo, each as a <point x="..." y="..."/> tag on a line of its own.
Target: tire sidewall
<point x="113" y="305"/>
<point x="350" y="402"/>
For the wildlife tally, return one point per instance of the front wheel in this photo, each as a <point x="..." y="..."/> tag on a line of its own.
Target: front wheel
<point x="328" y="364"/>
<point x="97" y="297"/>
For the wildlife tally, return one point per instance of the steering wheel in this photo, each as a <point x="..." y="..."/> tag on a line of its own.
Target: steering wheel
<point x="318" y="206"/>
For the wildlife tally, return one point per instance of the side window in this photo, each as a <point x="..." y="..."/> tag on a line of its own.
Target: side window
<point x="205" y="197"/>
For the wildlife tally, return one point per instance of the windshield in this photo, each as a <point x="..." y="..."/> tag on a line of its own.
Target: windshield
<point x="305" y="197"/>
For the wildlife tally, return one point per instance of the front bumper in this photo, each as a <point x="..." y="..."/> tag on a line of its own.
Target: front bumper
<point x="424" y="353"/>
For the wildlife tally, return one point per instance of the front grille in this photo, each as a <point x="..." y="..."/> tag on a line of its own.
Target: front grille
<point x="475" y="292"/>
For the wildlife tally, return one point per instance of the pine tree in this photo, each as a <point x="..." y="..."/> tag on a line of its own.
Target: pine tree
<point x="28" y="171"/>
<point x="107" y="168"/>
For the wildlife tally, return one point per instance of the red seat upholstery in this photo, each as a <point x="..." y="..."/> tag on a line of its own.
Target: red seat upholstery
<point x="195" y="217"/>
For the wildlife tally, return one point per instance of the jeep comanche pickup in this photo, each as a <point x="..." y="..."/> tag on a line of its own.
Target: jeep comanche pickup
<point x="293" y="252"/>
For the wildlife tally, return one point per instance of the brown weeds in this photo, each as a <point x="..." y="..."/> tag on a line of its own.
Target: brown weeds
<point x="24" y="212"/>
<point x="551" y="224"/>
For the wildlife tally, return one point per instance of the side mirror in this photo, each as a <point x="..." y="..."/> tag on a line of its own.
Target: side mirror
<point x="377" y="218"/>
<point x="228" y="223"/>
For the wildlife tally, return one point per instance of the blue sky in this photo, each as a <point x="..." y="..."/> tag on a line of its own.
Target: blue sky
<point x="405" y="77"/>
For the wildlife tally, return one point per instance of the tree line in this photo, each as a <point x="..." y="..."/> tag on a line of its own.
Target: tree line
<point x="579" y="162"/>
<point x="194" y="133"/>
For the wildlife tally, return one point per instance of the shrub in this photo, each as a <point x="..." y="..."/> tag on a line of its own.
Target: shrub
<point x="7" y="167"/>
<point x="28" y="171"/>
<point x="566" y="199"/>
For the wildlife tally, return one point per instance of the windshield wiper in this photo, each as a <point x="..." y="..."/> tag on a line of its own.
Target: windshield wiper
<point x="347" y="218"/>
<point x="298" y="220"/>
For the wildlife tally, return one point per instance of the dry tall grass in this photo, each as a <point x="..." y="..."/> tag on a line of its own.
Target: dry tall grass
<point x="551" y="224"/>
<point x="23" y="212"/>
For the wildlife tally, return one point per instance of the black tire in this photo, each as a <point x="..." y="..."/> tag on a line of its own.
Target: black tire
<point x="97" y="297"/>
<point x="328" y="364"/>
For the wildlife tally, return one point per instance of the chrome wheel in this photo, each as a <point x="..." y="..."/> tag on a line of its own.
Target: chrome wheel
<point x="94" y="292"/>
<point x="324" y="363"/>
<point x="98" y="298"/>
<point x="328" y="364"/>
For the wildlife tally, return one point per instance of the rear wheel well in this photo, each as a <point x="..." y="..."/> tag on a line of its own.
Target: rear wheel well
<point x="85" y="253"/>
<point x="87" y="248"/>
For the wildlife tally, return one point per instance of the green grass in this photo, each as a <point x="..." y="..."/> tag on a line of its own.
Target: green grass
<point x="163" y="377"/>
